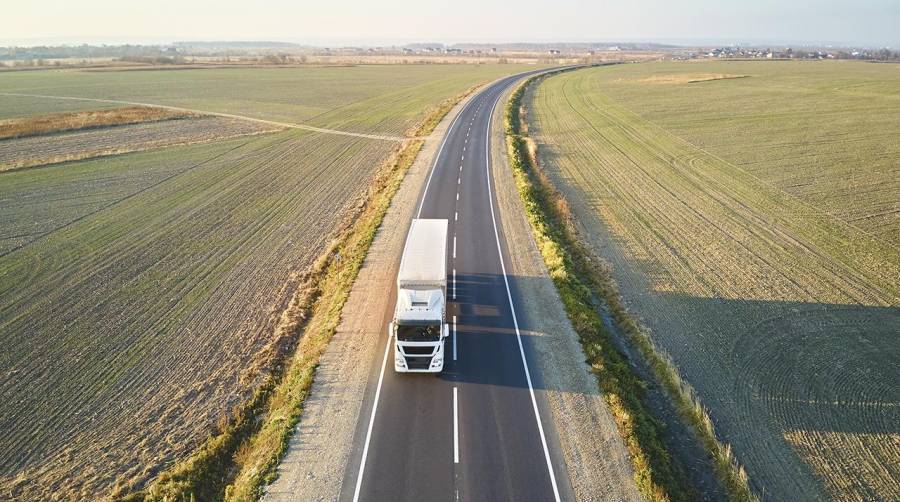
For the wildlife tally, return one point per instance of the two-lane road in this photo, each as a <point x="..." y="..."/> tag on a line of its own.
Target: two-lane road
<point x="476" y="431"/>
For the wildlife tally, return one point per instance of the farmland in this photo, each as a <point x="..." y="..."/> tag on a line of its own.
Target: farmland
<point x="140" y="291"/>
<point x="77" y="145"/>
<point x="751" y="224"/>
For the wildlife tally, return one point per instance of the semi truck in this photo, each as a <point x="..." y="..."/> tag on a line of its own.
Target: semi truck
<point x="419" y="326"/>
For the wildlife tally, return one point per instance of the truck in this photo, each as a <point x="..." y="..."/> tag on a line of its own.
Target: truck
<point x="419" y="324"/>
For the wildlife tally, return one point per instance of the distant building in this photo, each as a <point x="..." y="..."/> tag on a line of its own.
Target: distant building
<point x="553" y="52"/>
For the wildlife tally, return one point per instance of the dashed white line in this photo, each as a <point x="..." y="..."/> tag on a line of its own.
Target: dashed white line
<point x="455" y="427"/>
<point x="455" y="215"/>
<point x="438" y="157"/>
<point x="454" y="246"/>
<point x="454" y="283"/>
<point x="457" y="195"/>
<point x="454" y="338"/>
<point x="459" y="181"/>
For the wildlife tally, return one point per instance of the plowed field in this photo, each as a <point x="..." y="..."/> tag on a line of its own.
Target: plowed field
<point x="138" y="292"/>
<point x="751" y="224"/>
<point x="77" y="145"/>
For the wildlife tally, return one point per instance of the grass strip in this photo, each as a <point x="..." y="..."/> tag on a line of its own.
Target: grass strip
<point x="237" y="463"/>
<point x="586" y="288"/>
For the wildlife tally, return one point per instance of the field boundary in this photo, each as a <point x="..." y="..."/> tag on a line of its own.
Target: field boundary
<point x="584" y="284"/>
<point x="287" y="125"/>
<point x="239" y="462"/>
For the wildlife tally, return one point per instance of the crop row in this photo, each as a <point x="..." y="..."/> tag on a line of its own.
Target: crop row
<point x="133" y="325"/>
<point x="783" y="317"/>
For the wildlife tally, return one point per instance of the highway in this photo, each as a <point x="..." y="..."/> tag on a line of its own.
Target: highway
<point x="479" y="430"/>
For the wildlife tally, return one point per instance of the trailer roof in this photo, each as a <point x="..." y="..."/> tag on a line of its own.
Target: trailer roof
<point x="424" y="259"/>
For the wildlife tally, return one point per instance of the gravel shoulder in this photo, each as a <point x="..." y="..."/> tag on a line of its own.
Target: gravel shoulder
<point x="314" y="466"/>
<point x="595" y="456"/>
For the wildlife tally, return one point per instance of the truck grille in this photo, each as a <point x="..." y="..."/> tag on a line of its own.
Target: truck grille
<point x="424" y="351"/>
<point x="418" y="363"/>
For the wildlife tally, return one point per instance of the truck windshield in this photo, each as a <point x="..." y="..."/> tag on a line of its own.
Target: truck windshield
<point x="419" y="332"/>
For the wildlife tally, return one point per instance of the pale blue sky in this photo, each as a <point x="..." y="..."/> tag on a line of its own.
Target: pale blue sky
<point x="336" y="22"/>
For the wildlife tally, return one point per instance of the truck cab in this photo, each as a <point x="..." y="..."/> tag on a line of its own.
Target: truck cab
<point x="419" y="325"/>
<point x="419" y="330"/>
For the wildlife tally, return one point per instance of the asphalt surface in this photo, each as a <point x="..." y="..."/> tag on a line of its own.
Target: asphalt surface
<point x="479" y="430"/>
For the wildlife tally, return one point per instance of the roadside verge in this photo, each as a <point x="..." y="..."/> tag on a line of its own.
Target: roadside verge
<point x="596" y="458"/>
<point x="591" y="302"/>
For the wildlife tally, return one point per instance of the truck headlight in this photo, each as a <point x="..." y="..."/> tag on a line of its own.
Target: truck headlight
<point x="436" y="361"/>
<point x="399" y="360"/>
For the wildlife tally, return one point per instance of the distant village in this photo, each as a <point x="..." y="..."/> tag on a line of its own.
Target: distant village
<point x="791" y="53"/>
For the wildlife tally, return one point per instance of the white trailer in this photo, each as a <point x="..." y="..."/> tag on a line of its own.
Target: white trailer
<point x="419" y="325"/>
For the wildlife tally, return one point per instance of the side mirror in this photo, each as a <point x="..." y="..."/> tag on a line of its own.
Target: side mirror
<point x="446" y="330"/>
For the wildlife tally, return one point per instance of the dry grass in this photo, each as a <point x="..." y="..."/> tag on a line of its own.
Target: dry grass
<point x="71" y="121"/>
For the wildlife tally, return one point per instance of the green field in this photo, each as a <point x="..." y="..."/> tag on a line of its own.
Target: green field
<point x="751" y="223"/>
<point x="139" y="292"/>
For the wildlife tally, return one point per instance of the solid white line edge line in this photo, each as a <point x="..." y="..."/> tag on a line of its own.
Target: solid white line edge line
<point x="365" y="453"/>
<point x="455" y="427"/>
<point x="537" y="415"/>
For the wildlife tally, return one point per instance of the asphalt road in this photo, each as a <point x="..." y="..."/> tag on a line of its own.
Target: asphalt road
<point x="476" y="431"/>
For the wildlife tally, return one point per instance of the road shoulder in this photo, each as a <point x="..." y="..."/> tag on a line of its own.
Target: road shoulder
<point x="595" y="456"/>
<point x="316" y="462"/>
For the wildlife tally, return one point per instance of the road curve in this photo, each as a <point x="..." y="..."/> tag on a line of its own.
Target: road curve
<point x="477" y="431"/>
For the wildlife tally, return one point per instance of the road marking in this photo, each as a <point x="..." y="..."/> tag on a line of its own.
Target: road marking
<point x="457" y="195"/>
<point x="455" y="215"/>
<point x="459" y="180"/>
<point x="537" y="415"/>
<point x="365" y="453"/>
<point x="454" y="246"/>
<point x="438" y="156"/>
<point x="462" y="158"/>
<point x="454" y="283"/>
<point x="455" y="427"/>
<point x="454" y="338"/>
<point x="460" y="168"/>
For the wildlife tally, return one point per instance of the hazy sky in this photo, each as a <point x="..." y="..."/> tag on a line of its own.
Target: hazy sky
<point x="335" y="22"/>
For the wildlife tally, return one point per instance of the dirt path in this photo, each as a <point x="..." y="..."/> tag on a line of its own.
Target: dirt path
<point x="288" y="125"/>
